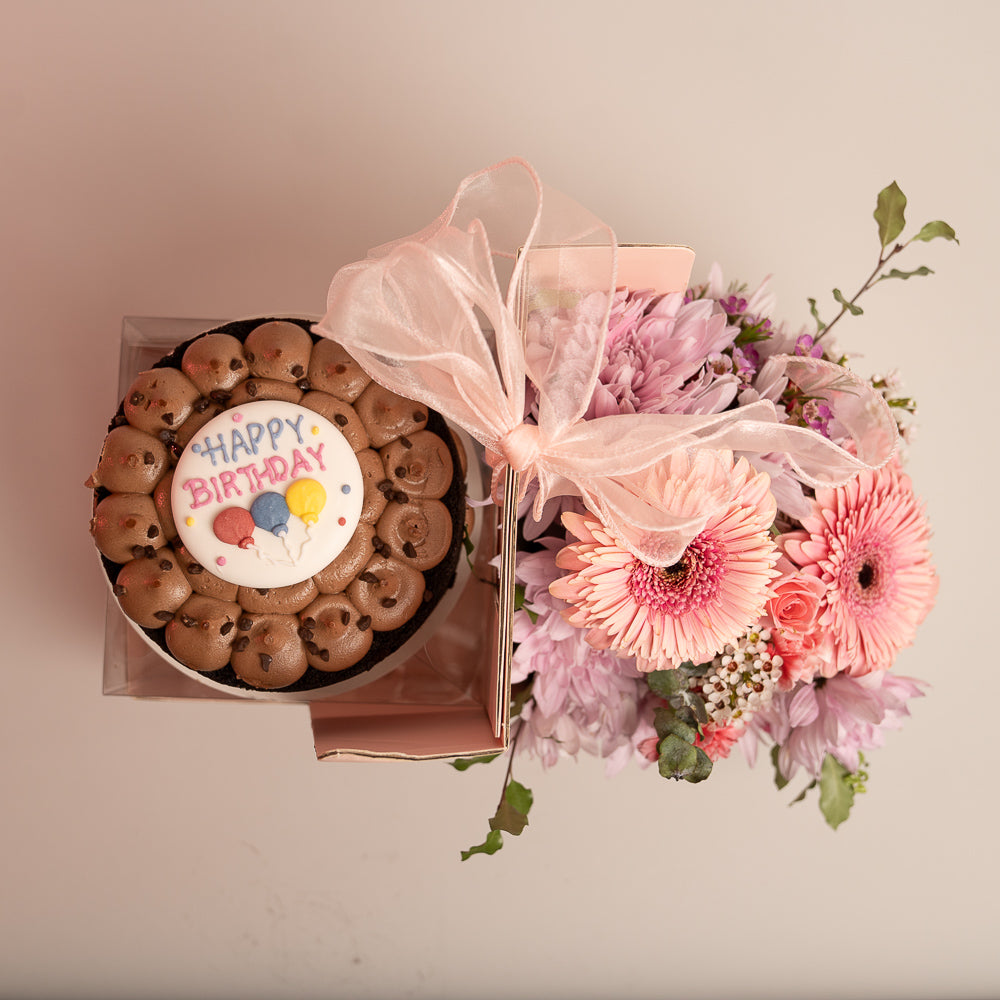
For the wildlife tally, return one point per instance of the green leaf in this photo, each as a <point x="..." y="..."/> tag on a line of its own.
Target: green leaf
<point x="682" y="760"/>
<point x="895" y="273"/>
<point x="666" y="723"/>
<point x="849" y="306"/>
<point x="836" y="792"/>
<point x="492" y="844"/>
<point x="820" y="325"/>
<point x="465" y="763"/>
<point x="519" y="797"/>
<point x="779" y="779"/>
<point x="666" y="683"/>
<point x="511" y="815"/>
<point x="889" y="209"/>
<point x="519" y="695"/>
<point x="936" y="230"/>
<point x="805" y="791"/>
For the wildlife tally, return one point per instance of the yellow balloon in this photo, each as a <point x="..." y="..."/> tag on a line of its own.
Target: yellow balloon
<point x="305" y="499"/>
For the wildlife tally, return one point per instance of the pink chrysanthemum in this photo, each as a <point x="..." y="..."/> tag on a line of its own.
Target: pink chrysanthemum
<point x="868" y="542"/>
<point x="664" y="615"/>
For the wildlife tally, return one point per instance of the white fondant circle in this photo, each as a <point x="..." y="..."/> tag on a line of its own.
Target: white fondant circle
<point x="254" y="449"/>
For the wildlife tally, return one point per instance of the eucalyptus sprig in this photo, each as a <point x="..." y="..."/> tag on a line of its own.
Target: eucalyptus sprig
<point x="889" y="214"/>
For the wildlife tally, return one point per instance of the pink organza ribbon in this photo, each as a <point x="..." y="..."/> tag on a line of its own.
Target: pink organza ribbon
<point x="425" y="317"/>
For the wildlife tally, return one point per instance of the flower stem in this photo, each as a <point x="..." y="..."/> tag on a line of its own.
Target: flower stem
<point x="883" y="259"/>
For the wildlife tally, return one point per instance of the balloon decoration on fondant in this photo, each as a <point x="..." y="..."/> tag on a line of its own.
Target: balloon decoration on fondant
<point x="270" y="512"/>
<point x="234" y="525"/>
<point x="306" y="499"/>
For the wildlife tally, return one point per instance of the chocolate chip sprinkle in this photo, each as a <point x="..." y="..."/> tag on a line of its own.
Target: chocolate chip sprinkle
<point x="166" y="565"/>
<point x="136" y="398"/>
<point x="167" y="436"/>
<point x="304" y="384"/>
<point x="227" y="627"/>
<point x="167" y="418"/>
<point x="365" y="623"/>
<point x="367" y="577"/>
<point x="188" y="622"/>
<point x="235" y="365"/>
<point x="388" y="602"/>
<point x="241" y="643"/>
<point x="220" y="396"/>
<point x="263" y="591"/>
<point x="195" y="568"/>
<point x="265" y="662"/>
<point x="409" y="551"/>
<point x="245" y="623"/>
<point x="309" y="622"/>
<point x="340" y="420"/>
<point x="298" y="371"/>
<point x="400" y="497"/>
<point x="312" y="647"/>
<point x="150" y="553"/>
<point x="345" y="617"/>
<point x="400" y="471"/>
<point x="148" y="458"/>
<point x="305" y="633"/>
<point x="252" y="389"/>
<point x="385" y="486"/>
<point x="405" y="441"/>
<point x="202" y="405"/>
<point x="138" y="551"/>
<point x="324" y="655"/>
<point x="164" y="616"/>
<point x="119" y="590"/>
<point x="152" y="531"/>
<point x="250" y="357"/>
<point x="419" y="416"/>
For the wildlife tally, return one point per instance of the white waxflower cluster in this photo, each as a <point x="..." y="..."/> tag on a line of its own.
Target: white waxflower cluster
<point x="740" y="680"/>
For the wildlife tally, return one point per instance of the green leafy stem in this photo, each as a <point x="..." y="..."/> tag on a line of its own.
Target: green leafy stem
<point x="889" y="214"/>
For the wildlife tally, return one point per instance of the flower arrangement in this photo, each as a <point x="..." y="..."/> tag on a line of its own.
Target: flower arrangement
<point x="777" y="621"/>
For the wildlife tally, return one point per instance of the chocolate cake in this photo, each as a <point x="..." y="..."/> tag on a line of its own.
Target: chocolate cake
<point x="269" y="516"/>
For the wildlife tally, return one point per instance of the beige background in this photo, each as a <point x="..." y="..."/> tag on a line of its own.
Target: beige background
<point x="224" y="159"/>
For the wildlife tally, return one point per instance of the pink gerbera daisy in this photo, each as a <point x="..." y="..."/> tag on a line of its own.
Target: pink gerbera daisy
<point x="868" y="542"/>
<point x="665" y="615"/>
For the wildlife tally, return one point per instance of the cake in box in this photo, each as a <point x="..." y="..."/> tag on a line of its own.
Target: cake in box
<point x="269" y="516"/>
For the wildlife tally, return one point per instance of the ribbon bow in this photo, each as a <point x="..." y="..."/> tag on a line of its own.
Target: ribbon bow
<point x="425" y="317"/>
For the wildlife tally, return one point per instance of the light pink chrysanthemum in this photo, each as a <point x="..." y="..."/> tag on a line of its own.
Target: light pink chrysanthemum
<point x="868" y="542"/>
<point x="582" y="699"/>
<point x="842" y="716"/>
<point x="655" y="357"/>
<point x="664" y="615"/>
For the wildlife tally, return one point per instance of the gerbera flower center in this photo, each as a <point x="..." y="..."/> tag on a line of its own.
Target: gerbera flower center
<point x="690" y="583"/>
<point x="866" y="578"/>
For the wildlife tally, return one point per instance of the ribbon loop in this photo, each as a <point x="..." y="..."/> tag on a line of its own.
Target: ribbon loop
<point x="521" y="446"/>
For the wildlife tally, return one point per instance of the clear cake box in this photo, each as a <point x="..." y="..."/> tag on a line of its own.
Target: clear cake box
<point x="444" y="694"/>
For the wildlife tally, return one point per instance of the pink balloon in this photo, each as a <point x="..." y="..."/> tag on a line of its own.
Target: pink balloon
<point x="234" y="525"/>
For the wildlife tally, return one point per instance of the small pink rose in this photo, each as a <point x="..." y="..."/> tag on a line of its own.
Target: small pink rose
<point x="796" y="602"/>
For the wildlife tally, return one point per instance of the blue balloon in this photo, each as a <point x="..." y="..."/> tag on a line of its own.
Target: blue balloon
<point x="270" y="512"/>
